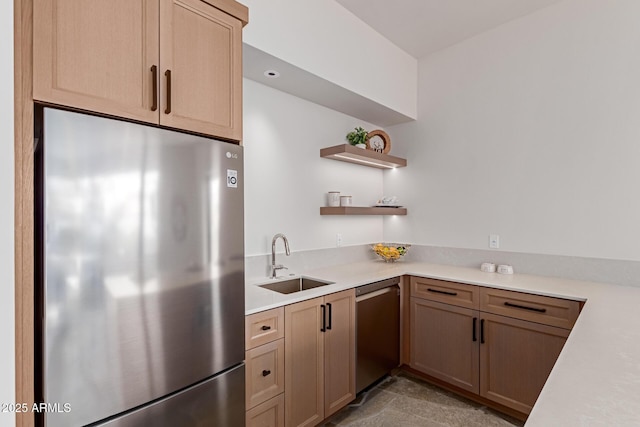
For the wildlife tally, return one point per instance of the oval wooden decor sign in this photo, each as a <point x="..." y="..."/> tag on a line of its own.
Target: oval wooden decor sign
<point x="378" y="140"/>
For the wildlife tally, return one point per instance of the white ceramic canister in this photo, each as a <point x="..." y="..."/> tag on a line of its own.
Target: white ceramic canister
<point x="333" y="198"/>
<point x="346" y="200"/>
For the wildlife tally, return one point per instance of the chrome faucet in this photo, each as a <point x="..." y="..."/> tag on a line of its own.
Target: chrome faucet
<point x="275" y="267"/>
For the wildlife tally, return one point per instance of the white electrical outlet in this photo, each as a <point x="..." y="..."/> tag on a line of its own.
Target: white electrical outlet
<point x="338" y="240"/>
<point x="494" y="241"/>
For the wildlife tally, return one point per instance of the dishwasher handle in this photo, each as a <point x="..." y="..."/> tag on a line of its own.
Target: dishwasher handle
<point x="372" y="287"/>
<point x="395" y="289"/>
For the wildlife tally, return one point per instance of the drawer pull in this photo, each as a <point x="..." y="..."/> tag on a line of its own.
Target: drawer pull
<point x="438" y="291"/>
<point x="266" y="372"/>
<point x="481" y="331"/>
<point x="524" y="307"/>
<point x="265" y="328"/>
<point x="324" y="318"/>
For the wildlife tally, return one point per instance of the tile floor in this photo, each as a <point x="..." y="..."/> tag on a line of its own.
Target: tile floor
<point x="406" y="401"/>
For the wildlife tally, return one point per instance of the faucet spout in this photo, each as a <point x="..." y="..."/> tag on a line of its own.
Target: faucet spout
<point x="275" y="267"/>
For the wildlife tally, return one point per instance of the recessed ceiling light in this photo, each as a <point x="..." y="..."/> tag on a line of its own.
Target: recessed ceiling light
<point x="272" y="74"/>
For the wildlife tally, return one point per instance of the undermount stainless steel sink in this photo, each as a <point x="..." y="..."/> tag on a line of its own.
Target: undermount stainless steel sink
<point x="295" y="285"/>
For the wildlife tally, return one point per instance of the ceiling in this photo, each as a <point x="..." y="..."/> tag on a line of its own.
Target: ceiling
<point x="421" y="27"/>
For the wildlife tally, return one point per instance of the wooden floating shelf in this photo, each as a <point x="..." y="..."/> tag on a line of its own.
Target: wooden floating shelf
<point x="360" y="156"/>
<point x="356" y="210"/>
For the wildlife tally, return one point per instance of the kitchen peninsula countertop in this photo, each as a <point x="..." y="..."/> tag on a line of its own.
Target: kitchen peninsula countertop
<point x="596" y="380"/>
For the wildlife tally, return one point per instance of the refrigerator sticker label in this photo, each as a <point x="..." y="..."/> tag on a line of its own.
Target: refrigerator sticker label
<point x="232" y="178"/>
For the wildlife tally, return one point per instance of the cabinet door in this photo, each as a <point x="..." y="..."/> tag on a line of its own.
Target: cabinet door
<point x="202" y="50"/>
<point x="444" y="343"/>
<point x="97" y="55"/>
<point x="516" y="358"/>
<point x="304" y="363"/>
<point x="340" y="351"/>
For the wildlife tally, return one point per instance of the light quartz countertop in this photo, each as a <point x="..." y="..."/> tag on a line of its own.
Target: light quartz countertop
<point x="596" y="380"/>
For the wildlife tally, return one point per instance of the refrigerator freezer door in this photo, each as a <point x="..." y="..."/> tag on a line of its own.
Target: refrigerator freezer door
<point x="143" y="265"/>
<point x="216" y="402"/>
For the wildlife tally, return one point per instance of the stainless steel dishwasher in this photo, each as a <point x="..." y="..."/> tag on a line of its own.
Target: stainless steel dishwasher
<point x="378" y="331"/>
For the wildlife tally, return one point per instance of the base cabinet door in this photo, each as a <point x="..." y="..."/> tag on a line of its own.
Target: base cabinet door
<point x="320" y="376"/>
<point x="304" y="363"/>
<point x="339" y="351"/>
<point x="516" y="358"/>
<point x="444" y="342"/>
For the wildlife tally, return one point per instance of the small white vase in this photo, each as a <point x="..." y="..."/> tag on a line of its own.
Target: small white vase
<point x="361" y="145"/>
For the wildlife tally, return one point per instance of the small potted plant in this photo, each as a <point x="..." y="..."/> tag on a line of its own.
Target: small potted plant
<point x="358" y="137"/>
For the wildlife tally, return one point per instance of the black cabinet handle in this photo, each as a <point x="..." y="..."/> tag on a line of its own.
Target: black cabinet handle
<point x="324" y="318"/>
<point x="475" y="322"/>
<point x="524" y="307"/>
<point x="154" y="82"/>
<point x="168" y="76"/>
<point x="438" y="291"/>
<point x="265" y="328"/>
<point x="481" y="331"/>
<point x="265" y="372"/>
<point x="329" y="325"/>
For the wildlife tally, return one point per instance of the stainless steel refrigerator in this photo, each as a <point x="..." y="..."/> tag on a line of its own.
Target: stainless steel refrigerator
<point x="140" y="295"/>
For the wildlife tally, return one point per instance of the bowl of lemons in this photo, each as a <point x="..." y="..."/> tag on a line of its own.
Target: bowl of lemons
<point x="391" y="252"/>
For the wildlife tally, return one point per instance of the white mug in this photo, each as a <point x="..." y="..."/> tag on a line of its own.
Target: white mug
<point x="333" y="198"/>
<point x="505" y="269"/>
<point x="346" y="201"/>
<point x="488" y="267"/>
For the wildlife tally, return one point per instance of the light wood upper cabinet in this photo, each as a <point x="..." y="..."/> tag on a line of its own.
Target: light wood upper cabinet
<point x="97" y="55"/>
<point x="176" y="63"/>
<point x="201" y="47"/>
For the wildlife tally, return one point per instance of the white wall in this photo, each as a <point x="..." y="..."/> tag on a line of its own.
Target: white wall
<point x="530" y="131"/>
<point x="7" y="335"/>
<point x="325" y="39"/>
<point x="286" y="180"/>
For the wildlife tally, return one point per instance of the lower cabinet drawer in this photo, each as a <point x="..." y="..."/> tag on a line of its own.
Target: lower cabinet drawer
<point x="264" y="372"/>
<point x="551" y="311"/>
<point x="452" y="293"/>
<point x="267" y="414"/>
<point x="263" y="327"/>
